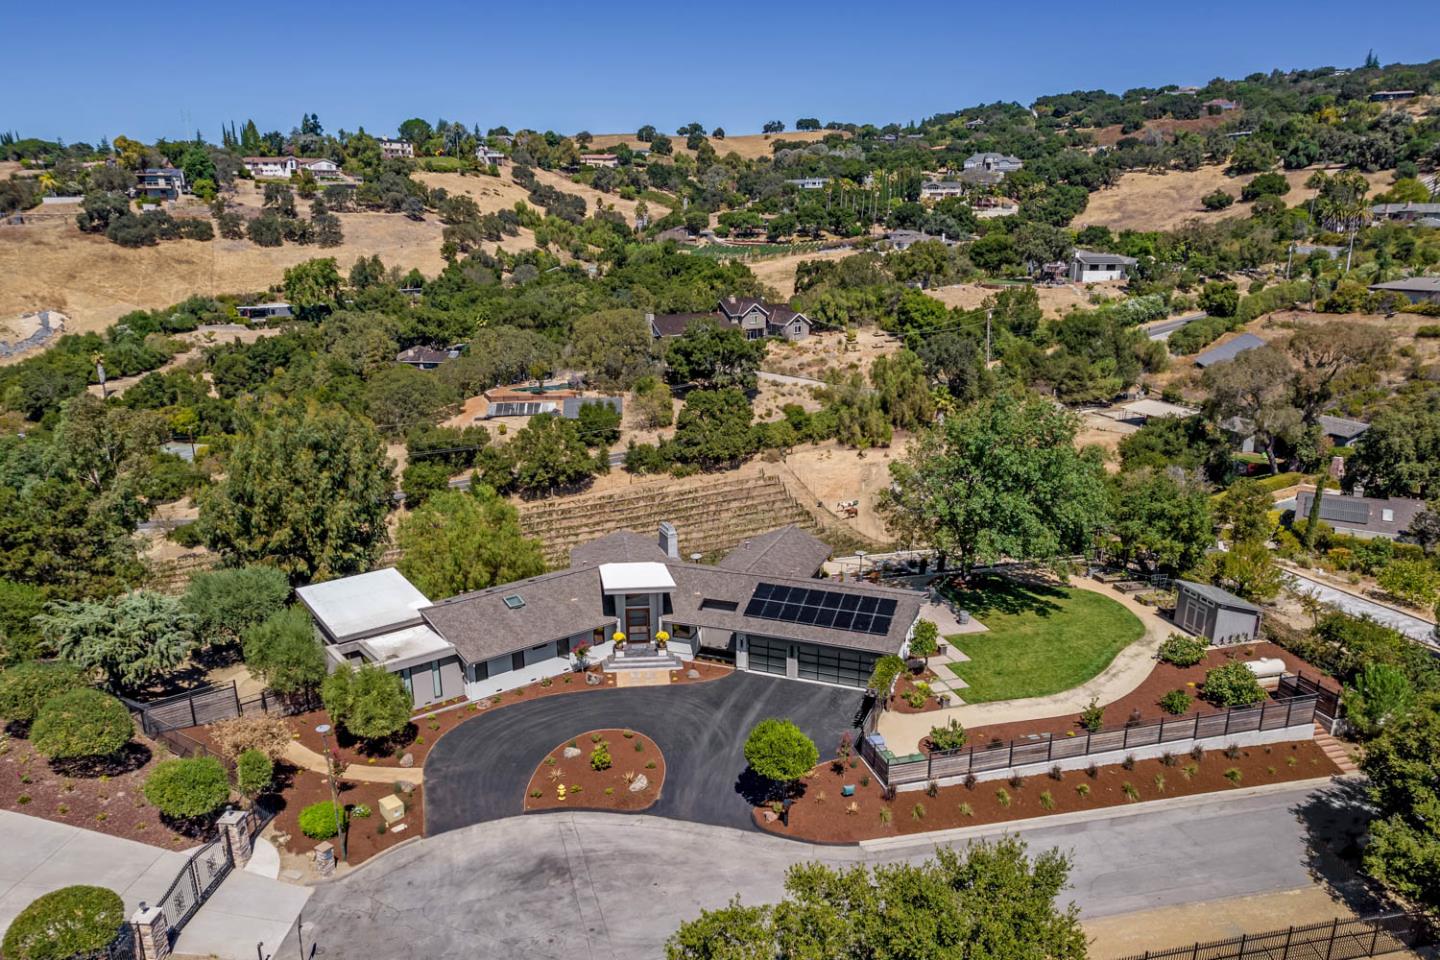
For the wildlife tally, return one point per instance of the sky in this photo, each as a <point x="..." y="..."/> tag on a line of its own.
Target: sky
<point x="611" y="67"/>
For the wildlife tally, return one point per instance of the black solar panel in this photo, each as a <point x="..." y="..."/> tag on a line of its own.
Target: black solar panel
<point x="857" y="613"/>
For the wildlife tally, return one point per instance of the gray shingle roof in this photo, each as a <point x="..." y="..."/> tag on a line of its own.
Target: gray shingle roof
<point x="482" y="626"/>
<point x="1415" y="284"/>
<point x="1223" y="597"/>
<point x="788" y="551"/>
<point x="1342" y="427"/>
<point x="1362" y="513"/>
<point x="622" y="546"/>
<point x="1095" y="256"/>
<point x="1229" y="350"/>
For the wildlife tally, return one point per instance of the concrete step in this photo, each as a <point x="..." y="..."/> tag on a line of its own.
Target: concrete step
<point x="617" y="664"/>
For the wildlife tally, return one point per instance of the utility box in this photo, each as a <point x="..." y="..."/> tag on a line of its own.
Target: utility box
<point x="392" y="809"/>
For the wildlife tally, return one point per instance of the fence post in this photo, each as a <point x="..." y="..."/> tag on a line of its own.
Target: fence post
<point x="1241" y="953"/>
<point x="1330" y="947"/>
<point x="1228" y="712"/>
<point x="1195" y="953"/>
<point x="193" y="721"/>
<point x="1374" y="937"/>
<point x="1289" y="711"/>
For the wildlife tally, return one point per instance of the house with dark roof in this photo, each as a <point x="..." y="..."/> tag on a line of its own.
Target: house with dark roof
<point x="756" y="318"/>
<point x="996" y="162"/>
<point x="1342" y="431"/>
<point x="1229" y="350"/>
<point x="1408" y="211"/>
<point x="1090" y="266"/>
<point x="1414" y="289"/>
<point x="266" y="312"/>
<point x="424" y="358"/>
<point x="629" y="602"/>
<point x="1363" y="517"/>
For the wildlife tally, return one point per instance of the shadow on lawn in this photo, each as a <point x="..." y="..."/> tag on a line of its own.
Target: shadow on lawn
<point x="1336" y="820"/>
<point x="990" y="594"/>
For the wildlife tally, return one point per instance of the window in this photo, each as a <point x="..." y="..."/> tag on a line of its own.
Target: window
<point x="517" y="660"/>
<point x="482" y="670"/>
<point x="1387" y="515"/>
<point x="514" y="601"/>
<point x="562" y="647"/>
<point x="436" y="687"/>
<point x="598" y="636"/>
<point x="405" y="679"/>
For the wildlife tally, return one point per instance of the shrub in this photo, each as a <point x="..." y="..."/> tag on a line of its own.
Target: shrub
<point x="1232" y="685"/>
<point x="78" y="920"/>
<point x="1189" y="770"/>
<point x="1082" y="790"/>
<point x="883" y="675"/>
<point x="1232" y="751"/>
<point x="1047" y="802"/>
<point x="917" y="812"/>
<point x="317" y="821"/>
<point x="1160" y="783"/>
<point x="254" y="772"/>
<point x="1168" y="759"/>
<point x="1217" y="200"/>
<point x="1002" y="797"/>
<point x="1183" y="651"/>
<point x="1234" y="775"/>
<point x="1197" y="753"/>
<point x="1130" y="791"/>
<point x="24" y="688"/>
<point x="188" y="787"/>
<point x="1175" y="702"/>
<point x="1092" y="771"/>
<point x="1129" y="762"/>
<point x="951" y="736"/>
<point x="970" y="781"/>
<point x="966" y="810"/>
<point x="932" y="789"/>
<point x="885" y="815"/>
<point x="370" y="703"/>
<point x="260" y="732"/>
<point x="1092" y="716"/>
<point x="778" y="750"/>
<point x="1056" y="773"/>
<point x="600" y="756"/>
<point x="81" y="723"/>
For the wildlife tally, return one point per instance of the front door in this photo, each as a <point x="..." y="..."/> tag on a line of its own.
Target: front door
<point x="637" y="618"/>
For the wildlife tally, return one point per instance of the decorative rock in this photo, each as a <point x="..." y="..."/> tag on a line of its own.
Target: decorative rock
<point x="593" y="680"/>
<point x="571" y="752"/>
<point x="408" y="760"/>
<point x="770" y="816"/>
<point x="405" y="787"/>
<point x="692" y="674"/>
<point x="639" y="783"/>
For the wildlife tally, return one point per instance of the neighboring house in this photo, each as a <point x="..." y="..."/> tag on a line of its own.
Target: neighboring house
<point x="1364" y="517"/>
<point x="1404" y="212"/>
<point x="1306" y="249"/>
<point x="1143" y="411"/>
<point x="760" y="608"/>
<point x="1415" y="289"/>
<point x="1089" y="266"/>
<point x="1385" y="96"/>
<point x="396" y="149"/>
<point x="1220" y="105"/>
<point x="760" y="319"/>
<point x="1215" y="614"/>
<point x="905" y="239"/>
<point x="1229" y="350"/>
<point x="265" y="312"/>
<point x="940" y="189"/>
<point x="517" y="402"/>
<point x="987" y="208"/>
<point x="1240" y="432"/>
<point x="282" y="168"/>
<point x="489" y="155"/>
<point x="599" y="159"/>
<point x="665" y="325"/>
<point x="995" y="162"/>
<point x="810" y="183"/>
<point x="1341" y="431"/>
<point x="164" y="183"/>
<point x="424" y="358"/>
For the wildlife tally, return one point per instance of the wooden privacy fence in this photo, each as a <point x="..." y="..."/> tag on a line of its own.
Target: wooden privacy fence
<point x="211" y="704"/>
<point x="917" y="768"/>
<point x="1339" y="939"/>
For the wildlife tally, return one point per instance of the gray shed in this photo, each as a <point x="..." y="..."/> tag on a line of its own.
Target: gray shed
<point x="1217" y="615"/>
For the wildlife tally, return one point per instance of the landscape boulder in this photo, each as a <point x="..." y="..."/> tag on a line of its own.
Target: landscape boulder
<point x="571" y="752"/>
<point x="639" y="783"/>
<point x="408" y="760"/>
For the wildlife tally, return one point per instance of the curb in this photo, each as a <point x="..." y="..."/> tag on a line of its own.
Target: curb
<point x="1082" y="816"/>
<point x="322" y="881"/>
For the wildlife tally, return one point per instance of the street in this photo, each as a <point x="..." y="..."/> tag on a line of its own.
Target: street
<point x="1413" y="627"/>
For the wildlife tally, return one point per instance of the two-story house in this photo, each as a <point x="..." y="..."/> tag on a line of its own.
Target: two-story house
<point x="162" y="183"/>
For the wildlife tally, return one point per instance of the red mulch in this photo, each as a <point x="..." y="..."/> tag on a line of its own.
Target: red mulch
<point x="907" y="683"/>
<point x="107" y="799"/>
<point x="304" y="787"/>
<point x="822" y="814"/>
<point x="1146" y="697"/>
<point x="585" y="787"/>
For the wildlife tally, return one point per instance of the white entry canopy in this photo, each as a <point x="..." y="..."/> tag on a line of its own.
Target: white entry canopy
<point x="644" y="577"/>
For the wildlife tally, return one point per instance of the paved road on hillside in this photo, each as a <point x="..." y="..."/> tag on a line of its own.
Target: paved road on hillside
<point x="1412" y="627"/>
<point x="594" y="885"/>
<point x="1163" y="329"/>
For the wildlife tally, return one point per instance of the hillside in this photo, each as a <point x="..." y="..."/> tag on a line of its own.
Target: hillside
<point x="750" y="146"/>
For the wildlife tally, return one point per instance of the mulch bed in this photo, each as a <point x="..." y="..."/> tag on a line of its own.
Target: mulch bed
<point x="586" y="788"/>
<point x="304" y="787"/>
<point x="1145" y="698"/>
<point x="905" y="684"/>
<point x="821" y="814"/>
<point x="107" y="799"/>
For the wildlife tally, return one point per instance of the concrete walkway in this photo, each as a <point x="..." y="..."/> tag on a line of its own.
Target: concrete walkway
<point x="307" y="759"/>
<point x="904" y="731"/>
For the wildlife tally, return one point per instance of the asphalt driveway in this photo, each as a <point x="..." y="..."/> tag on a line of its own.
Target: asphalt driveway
<point x="479" y="771"/>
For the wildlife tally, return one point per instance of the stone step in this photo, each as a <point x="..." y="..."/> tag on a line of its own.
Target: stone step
<point x="617" y="664"/>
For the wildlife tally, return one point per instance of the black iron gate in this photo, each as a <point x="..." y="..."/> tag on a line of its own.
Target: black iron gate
<point x="199" y="877"/>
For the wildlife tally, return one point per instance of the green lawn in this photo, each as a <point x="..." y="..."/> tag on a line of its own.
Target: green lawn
<point x="1042" y="639"/>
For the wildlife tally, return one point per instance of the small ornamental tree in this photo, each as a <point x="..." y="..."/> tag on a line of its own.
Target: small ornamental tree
<point x="1232" y="685"/>
<point x="186" y="788"/>
<point x="600" y="756"/>
<point x="370" y="703"/>
<point x="72" y="921"/>
<point x="1092" y="716"/>
<point x="1379" y="696"/>
<point x="951" y="736"/>
<point x="778" y="750"/>
<point x="24" y="688"/>
<point x="282" y="650"/>
<point x="81" y="723"/>
<point x="254" y="772"/>
<point x="1183" y="651"/>
<point x="926" y="641"/>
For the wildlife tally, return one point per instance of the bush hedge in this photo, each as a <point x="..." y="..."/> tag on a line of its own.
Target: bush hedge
<point x="1183" y="651"/>
<point x="886" y="669"/>
<point x="187" y="788"/>
<point x="317" y="821"/>
<point x="254" y="772"/>
<point x="24" y="688"/>
<point x="81" y="723"/>
<point x="1232" y="685"/>
<point x="64" y="923"/>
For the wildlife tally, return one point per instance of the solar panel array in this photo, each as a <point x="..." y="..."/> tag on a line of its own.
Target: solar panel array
<point x="1345" y="510"/>
<point x="855" y="612"/>
<point x="519" y="408"/>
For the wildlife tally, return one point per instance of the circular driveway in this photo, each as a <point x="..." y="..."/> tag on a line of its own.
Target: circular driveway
<point x="479" y="770"/>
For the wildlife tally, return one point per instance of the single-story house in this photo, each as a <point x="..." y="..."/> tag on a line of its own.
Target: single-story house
<point x="760" y="608"/>
<point x="1090" y="266"/>
<point x="164" y="183"/>
<point x="1414" y="289"/>
<point x="282" y="168"/>
<point x="1229" y="350"/>
<point x="1306" y="249"/>
<point x="490" y="155"/>
<point x="905" y="239"/>
<point x="756" y="318"/>
<point x="810" y="183"/>
<point x="599" y="160"/>
<point x="1220" y="105"/>
<point x="1364" y="517"/>
<point x="940" y="189"/>
<point x="1404" y="211"/>
<point x="1215" y="614"/>
<point x="424" y="358"/>
<point x="1385" y="96"/>
<point x="265" y="312"/>
<point x="396" y="149"/>
<point x="997" y="162"/>
<point x="1341" y="430"/>
<point x="520" y="402"/>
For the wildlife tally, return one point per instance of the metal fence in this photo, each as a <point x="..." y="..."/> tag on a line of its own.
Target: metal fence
<point x="1339" y="939"/>
<point x="210" y="704"/>
<point x="1273" y="715"/>
<point x="198" y="879"/>
<point x="1327" y="701"/>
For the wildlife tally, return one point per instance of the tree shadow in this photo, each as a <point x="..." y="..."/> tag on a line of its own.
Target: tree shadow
<point x="986" y="594"/>
<point x="381" y="747"/>
<point x="755" y="789"/>
<point x="1336" y="820"/>
<point x="196" y="828"/>
<point x="131" y="757"/>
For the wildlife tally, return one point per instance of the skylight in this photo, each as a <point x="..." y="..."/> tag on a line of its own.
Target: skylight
<point x="514" y="601"/>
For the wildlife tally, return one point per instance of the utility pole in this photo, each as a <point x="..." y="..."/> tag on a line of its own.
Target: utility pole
<point x="988" y="314"/>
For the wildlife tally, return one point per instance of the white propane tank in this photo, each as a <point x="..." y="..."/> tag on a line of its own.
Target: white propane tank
<point x="1266" y="668"/>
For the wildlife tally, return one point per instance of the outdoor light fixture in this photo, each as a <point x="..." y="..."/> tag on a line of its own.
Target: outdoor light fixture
<point x="324" y="731"/>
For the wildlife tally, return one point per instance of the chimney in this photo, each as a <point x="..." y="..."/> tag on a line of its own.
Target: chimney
<point x="669" y="540"/>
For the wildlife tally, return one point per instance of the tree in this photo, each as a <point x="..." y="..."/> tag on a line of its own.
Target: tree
<point x="613" y="345"/>
<point x="400" y="398"/>
<point x="653" y="403"/>
<point x="1325" y="353"/>
<point x="224" y="604"/>
<point x="1246" y="507"/>
<point x="1399" y="455"/>
<point x="322" y="516"/>
<point x="988" y="901"/>
<point x="925" y="641"/>
<point x="80" y="724"/>
<point x="283" y="652"/>
<point x="189" y="787"/>
<point x="598" y="424"/>
<point x="312" y="285"/>
<point x="903" y="390"/>
<point x="1246" y="568"/>
<point x="370" y="702"/>
<point x="1001" y="479"/>
<point x="1161" y="519"/>
<point x="1312" y="522"/>
<point x="714" y="428"/>
<point x="461" y="541"/>
<point x="714" y="357"/>
<point x="778" y="750"/>
<point x="1414" y="582"/>
<point x="1256" y="387"/>
<point x="957" y="360"/>
<point x="1219" y="299"/>
<point x="26" y="687"/>
<point x="548" y="454"/>
<point x="1232" y="684"/>
<point x="1404" y="850"/>
<point x="132" y="639"/>
<point x="72" y="921"/>
<point x="254" y="773"/>
<point x="1380" y="695"/>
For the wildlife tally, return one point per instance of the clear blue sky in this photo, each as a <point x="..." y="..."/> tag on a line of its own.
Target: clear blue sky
<point x="89" y="69"/>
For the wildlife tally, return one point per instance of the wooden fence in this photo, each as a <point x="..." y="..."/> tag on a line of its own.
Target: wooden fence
<point x="211" y="704"/>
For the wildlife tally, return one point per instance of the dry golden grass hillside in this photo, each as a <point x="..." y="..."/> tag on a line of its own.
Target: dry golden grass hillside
<point x="1054" y="301"/>
<point x="750" y="146"/>
<point x="1163" y="201"/>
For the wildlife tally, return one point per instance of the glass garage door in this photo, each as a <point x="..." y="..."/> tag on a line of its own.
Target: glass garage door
<point x="849" y="668"/>
<point x="768" y="656"/>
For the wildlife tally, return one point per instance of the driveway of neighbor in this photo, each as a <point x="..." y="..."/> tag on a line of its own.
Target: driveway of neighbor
<point x="596" y="885"/>
<point x="1421" y="631"/>
<point x="479" y="770"/>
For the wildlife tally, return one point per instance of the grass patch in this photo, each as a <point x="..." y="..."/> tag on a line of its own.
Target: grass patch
<point x="1043" y="638"/>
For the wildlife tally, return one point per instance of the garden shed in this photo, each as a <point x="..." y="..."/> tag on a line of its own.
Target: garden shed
<point x="1217" y="615"/>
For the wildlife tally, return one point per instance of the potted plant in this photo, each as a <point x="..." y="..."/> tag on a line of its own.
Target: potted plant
<point x="582" y="657"/>
<point x="618" y="639"/>
<point x="661" y="638"/>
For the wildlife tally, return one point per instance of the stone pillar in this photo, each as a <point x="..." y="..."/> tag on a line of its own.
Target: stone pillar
<point x="235" y="829"/>
<point x="325" y="858"/>
<point x="152" y="933"/>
